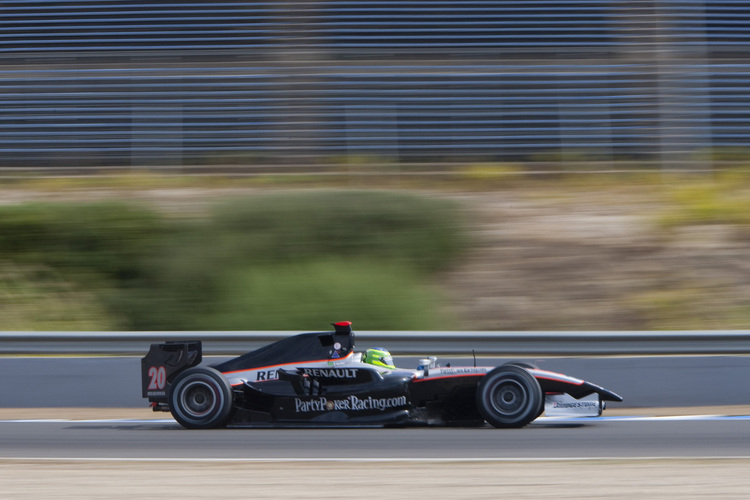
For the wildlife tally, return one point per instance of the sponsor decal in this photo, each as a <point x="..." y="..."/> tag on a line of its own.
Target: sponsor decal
<point x="467" y="370"/>
<point x="351" y="403"/>
<point x="266" y="375"/>
<point x="156" y="393"/>
<point x="335" y="355"/>
<point x="331" y="372"/>
<point x="575" y="404"/>
<point x="336" y="363"/>
<point x="337" y="346"/>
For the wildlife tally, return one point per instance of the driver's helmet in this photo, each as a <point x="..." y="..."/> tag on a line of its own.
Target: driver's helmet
<point x="379" y="357"/>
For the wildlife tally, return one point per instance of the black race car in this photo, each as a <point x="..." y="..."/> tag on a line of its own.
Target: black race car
<point x="317" y="379"/>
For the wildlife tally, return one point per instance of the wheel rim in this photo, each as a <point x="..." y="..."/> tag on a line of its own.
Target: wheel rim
<point x="509" y="398"/>
<point x="198" y="399"/>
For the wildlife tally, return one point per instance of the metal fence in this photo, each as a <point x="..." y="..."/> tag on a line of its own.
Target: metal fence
<point x="400" y="342"/>
<point x="303" y="84"/>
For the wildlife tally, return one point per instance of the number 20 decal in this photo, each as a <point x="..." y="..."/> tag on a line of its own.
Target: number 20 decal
<point x="158" y="378"/>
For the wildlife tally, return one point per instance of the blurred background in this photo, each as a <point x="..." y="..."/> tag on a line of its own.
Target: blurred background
<point x="410" y="164"/>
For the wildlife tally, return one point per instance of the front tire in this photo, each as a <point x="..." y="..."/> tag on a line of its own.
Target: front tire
<point x="200" y="398"/>
<point x="509" y="396"/>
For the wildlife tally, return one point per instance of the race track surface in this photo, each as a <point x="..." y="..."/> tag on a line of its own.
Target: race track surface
<point x="619" y="458"/>
<point x="119" y="450"/>
<point x="606" y="437"/>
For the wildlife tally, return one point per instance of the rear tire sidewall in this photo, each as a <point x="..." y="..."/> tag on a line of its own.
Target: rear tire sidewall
<point x="200" y="398"/>
<point x="509" y="396"/>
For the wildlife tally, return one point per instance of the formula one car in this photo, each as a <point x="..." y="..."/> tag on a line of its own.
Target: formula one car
<point x="317" y="379"/>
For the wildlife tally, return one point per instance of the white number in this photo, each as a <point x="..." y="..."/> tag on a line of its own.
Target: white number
<point x="158" y="378"/>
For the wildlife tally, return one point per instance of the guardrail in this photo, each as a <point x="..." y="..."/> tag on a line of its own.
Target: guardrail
<point x="399" y="342"/>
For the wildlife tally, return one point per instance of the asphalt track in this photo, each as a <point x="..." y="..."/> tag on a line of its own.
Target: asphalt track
<point x="643" y="382"/>
<point x="112" y="452"/>
<point x="606" y="437"/>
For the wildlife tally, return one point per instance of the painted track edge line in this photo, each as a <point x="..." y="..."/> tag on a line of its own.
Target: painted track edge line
<point x="539" y="421"/>
<point x="372" y="459"/>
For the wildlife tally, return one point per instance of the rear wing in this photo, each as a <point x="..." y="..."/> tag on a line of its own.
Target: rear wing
<point x="163" y="362"/>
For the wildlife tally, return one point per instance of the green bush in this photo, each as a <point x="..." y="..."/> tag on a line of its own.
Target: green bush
<point x="289" y="260"/>
<point x="107" y="238"/>
<point x="419" y="232"/>
<point x="291" y="296"/>
<point x="35" y="297"/>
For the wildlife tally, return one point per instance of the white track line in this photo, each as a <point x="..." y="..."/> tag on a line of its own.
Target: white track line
<point x="370" y="459"/>
<point x="540" y="420"/>
<point x="641" y="418"/>
<point x="88" y="421"/>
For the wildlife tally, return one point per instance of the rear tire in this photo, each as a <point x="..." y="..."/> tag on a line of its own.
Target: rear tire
<point x="509" y="396"/>
<point x="200" y="398"/>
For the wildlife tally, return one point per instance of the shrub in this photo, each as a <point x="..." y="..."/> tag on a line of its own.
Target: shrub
<point x="419" y="232"/>
<point x="287" y="260"/>
<point x="107" y="238"/>
<point x="293" y="296"/>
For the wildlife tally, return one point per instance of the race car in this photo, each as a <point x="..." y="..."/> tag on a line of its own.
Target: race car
<point x="318" y="379"/>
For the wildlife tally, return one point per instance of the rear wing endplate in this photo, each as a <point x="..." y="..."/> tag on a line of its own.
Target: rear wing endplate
<point x="163" y="362"/>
